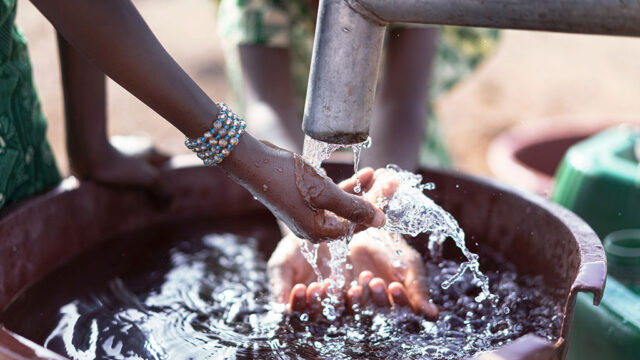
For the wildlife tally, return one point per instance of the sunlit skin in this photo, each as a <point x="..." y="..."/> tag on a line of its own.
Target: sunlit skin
<point x="372" y="254"/>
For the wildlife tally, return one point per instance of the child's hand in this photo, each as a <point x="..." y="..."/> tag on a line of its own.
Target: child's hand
<point x="309" y="203"/>
<point x="132" y="167"/>
<point x="373" y="256"/>
<point x="375" y="186"/>
<point x="390" y="272"/>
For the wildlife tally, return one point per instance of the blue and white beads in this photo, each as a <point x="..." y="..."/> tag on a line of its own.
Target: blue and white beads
<point x="217" y="143"/>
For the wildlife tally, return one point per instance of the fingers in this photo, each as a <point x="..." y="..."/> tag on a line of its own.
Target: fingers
<point x="354" y="298"/>
<point x="329" y="226"/>
<point x="308" y="299"/>
<point x="418" y="293"/>
<point x="399" y="295"/>
<point x="426" y="308"/>
<point x="364" y="279"/>
<point x="314" y="298"/>
<point x="365" y="176"/>
<point x="350" y="207"/>
<point x="374" y="291"/>
<point x="379" y="295"/>
<point x="384" y="185"/>
<point x="298" y="298"/>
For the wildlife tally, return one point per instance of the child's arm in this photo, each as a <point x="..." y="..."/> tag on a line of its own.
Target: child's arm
<point x="91" y="155"/>
<point x="113" y="36"/>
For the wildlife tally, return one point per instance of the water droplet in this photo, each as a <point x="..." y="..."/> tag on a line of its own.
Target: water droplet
<point x="429" y="186"/>
<point x="304" y="317"/>
<point x="280" y="170"/>
<point x="265" y="187"/>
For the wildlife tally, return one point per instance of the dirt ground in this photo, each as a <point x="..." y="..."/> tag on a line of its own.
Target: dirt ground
<point x="532" y="76"/>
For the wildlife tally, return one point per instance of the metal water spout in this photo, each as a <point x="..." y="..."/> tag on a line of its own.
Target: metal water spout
<point x="344" y="71"/>
<point x="350" y="36"/>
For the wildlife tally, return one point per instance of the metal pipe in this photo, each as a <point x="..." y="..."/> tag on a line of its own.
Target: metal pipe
<point x="349" y="39"/>
<point x="344" y="72"/>
<point x="606" y="17"/>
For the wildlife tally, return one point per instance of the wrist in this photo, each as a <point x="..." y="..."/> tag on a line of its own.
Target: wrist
<point x="202" y="121"/>
<point x="85" y="158"/>
<point x="247" y="148"/>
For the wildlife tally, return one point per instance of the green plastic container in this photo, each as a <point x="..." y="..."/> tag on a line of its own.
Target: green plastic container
<point x="608" y="331"/>
<point x="623" y="257"/>
<point x="599" y="179"/>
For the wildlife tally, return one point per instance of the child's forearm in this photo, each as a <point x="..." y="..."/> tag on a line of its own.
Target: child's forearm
<point x="113" y="36"/>
<point x="84" y="90"/>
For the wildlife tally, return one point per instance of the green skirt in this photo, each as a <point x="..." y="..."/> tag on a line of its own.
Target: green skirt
<point x="27" y="164"/>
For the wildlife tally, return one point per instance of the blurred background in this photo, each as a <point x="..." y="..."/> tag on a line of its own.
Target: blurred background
<point x="532" y="77"/>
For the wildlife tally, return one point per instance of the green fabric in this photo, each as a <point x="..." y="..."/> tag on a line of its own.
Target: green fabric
<point x="27" y="165"/>
<point x="291" y="24"/>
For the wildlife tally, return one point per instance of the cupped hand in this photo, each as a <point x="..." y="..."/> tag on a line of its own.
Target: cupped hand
<point x="308" y="202"/>
<point x="391" y="272"/>
<point x="388" y="272"/>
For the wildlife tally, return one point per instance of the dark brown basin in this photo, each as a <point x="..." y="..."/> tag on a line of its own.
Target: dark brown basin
<point x="540" y="237"/>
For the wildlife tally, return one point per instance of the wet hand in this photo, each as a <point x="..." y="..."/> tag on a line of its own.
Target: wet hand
<point x="390" y="273"/>
<point x="287" y="266"/>
<point x="375" y="186"/>
<point x="308" y="202"/>
<point x="384" y="279"/>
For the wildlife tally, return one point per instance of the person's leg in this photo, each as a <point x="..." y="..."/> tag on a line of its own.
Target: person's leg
<point x="397" y="128"/>
<point x="269" y="95"/>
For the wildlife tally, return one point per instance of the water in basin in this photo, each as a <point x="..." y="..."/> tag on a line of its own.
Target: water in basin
<point x="198" y="290"/>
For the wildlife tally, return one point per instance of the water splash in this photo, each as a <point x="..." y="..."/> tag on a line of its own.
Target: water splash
<point x="408" y="212"/>
<point x="411" y="212"/>
<point x="311" y="255"/>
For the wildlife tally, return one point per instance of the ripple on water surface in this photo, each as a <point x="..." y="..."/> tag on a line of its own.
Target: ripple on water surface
<point x="206" y="297"/>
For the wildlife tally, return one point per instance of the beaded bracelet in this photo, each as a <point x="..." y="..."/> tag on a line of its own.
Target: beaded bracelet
<point x="217" y="143"/>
